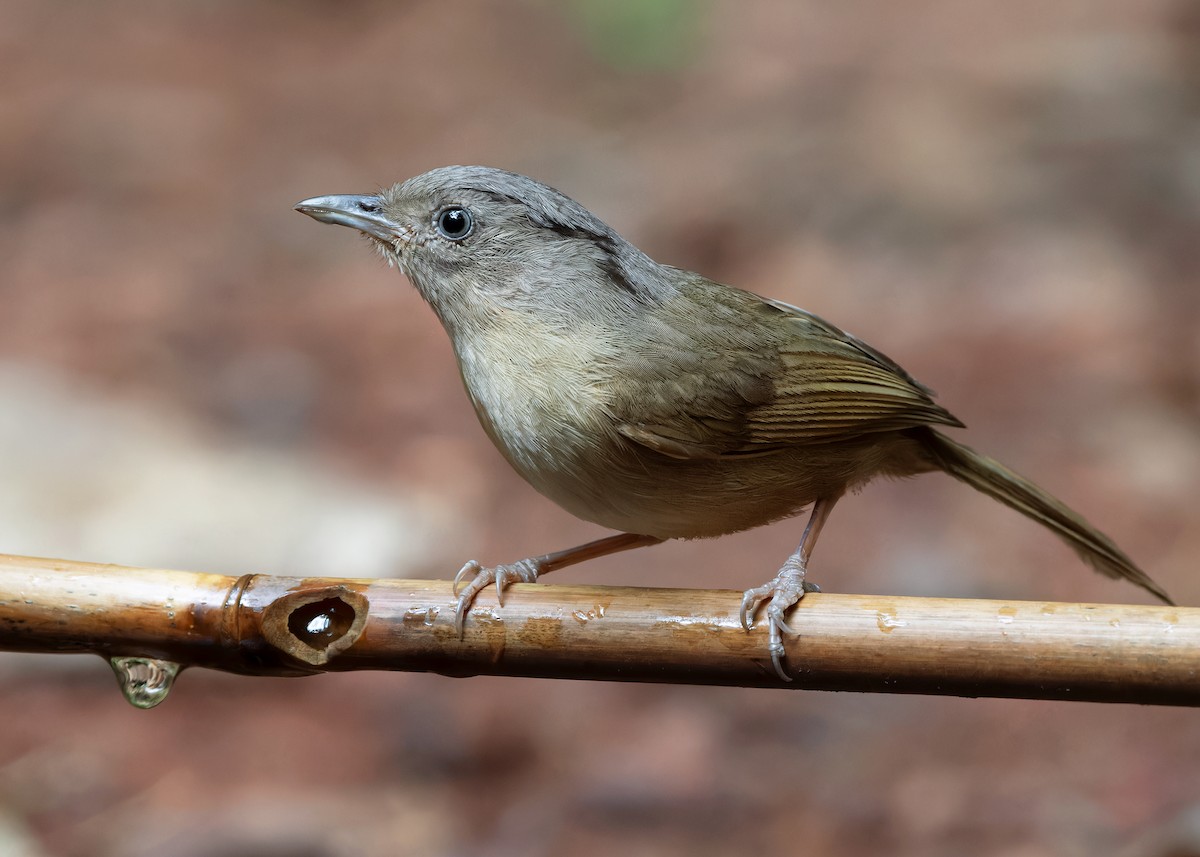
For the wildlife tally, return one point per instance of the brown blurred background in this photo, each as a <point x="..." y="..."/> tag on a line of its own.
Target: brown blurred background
<point x="1004" y="197"/>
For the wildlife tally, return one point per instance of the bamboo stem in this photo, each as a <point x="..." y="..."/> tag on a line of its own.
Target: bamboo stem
<point x="271" y="625"/>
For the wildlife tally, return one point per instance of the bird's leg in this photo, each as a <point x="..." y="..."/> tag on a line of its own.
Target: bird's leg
<point x="787" y="587"/>
<point x="528" y="570"/>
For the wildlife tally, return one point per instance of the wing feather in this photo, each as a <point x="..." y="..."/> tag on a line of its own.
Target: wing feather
<point x="788" y="378"/>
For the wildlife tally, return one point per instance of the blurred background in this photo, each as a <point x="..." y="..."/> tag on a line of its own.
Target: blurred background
<point x="1003" y="197"/>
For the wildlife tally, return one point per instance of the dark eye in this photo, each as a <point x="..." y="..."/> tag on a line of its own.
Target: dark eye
<point x="454" y="223"/>
<point x="368" y="206"/>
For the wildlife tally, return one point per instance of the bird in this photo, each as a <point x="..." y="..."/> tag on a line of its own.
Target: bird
<point x="654" y="401"/>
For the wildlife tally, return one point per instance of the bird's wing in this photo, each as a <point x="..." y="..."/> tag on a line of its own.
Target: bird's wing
<point x="832" y="386"/>
<point x="815" y="384"/>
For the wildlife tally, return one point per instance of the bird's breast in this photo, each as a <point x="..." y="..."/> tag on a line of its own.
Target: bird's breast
<point x="537" y="392"/>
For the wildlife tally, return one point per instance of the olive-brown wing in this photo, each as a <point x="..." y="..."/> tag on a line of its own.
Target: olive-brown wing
<point x="767" y="377"/>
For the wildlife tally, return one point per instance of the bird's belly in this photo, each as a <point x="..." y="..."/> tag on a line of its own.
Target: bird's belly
<point x="644" y="492"/>
<point x="629" y="488"/>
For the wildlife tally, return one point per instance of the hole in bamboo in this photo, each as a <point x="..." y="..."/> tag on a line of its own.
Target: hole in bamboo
<point x="322" y="622"/>
<point x="316" y="625"/>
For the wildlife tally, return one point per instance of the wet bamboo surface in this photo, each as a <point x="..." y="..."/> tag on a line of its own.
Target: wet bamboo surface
<point x="274" y="625"/>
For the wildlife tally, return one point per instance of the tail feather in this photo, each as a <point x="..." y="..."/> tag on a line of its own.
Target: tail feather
<point x="997" y="481"/>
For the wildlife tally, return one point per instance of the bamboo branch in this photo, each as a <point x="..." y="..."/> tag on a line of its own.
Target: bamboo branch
<point x="270" y="625"/>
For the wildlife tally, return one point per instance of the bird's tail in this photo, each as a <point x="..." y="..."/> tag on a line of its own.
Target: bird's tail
<point x="997" y="481"/>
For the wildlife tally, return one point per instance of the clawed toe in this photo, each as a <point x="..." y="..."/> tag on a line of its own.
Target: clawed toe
<point x="780" y="595"/>
<point x="470" y="567"/>
<point x="523" y="571"/>
<point x="482" y="577"/>
<point x="775" y="647"/>
<point x="751" y="600"/>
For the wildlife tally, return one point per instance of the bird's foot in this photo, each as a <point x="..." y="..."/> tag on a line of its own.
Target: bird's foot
<point x="521" y="571"/>
<point x="779" y="594"/>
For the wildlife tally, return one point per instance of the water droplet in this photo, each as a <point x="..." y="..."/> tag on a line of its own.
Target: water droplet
<point x="585" y="616"/>
<point x="322" y="622"/>
<point x="431" y="615"/>
<point x="144" y="681"/>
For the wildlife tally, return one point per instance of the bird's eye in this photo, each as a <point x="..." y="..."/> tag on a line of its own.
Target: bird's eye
<point x="368" y="207"/>
<point x="454" y="222"/>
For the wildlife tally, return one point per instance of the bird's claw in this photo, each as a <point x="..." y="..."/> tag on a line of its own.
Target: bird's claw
<point x="522" y="571"/>
<point x="780" y="595"/>
<point x="470" y="567"/>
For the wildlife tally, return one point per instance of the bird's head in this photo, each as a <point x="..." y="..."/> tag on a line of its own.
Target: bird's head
<point x="473" y="238"/>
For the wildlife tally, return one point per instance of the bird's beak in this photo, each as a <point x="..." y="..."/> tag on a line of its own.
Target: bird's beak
<point x="364" y="213"/>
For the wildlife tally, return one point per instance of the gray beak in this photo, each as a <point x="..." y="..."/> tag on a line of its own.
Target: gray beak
<point x="364" y="213"/>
